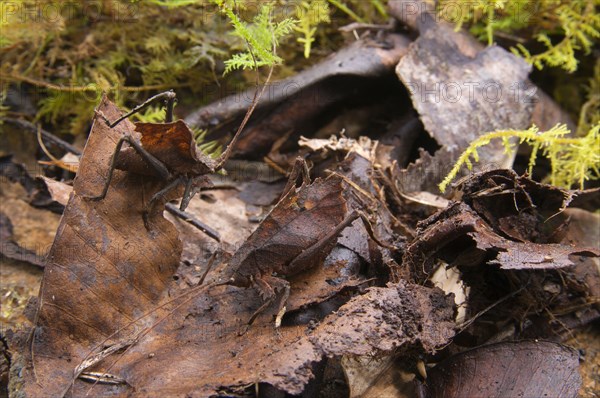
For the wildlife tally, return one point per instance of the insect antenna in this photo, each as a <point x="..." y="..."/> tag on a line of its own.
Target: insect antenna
<point x="168" y="96"/>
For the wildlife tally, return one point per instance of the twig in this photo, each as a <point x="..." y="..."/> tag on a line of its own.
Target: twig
<point x="51" y="138"/>
<point x="89" y="87"/>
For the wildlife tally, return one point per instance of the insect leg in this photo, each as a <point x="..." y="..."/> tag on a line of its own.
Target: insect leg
<point x="268" y="287"/>
<point x="160" y="168"/>
<point x="370" y="230"/>
<point x="160" y="195"/>
<point x="171" y="208"/>
<point x="188" y="194"/>
<point x="305" y="259"/>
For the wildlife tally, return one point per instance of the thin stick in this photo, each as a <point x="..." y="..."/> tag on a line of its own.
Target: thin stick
<point x="257" y="95"/>
<point x="53" y="160"/>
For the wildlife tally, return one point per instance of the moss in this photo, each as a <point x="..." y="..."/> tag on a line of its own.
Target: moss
<point x="562" y="27"/>
<point x="67" y="54"/>
<point x="573" y="160"/>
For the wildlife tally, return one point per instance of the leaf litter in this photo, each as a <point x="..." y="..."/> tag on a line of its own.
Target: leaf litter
<point x="121" y="311"/>
<point x="95" y="290"/>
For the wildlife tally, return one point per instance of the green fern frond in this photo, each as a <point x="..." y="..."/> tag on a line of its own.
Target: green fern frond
<point x="573" y="160"/>
<point x="262" y="35"/>
<point x="210" y="148"/>
<point x="309" y="15"/>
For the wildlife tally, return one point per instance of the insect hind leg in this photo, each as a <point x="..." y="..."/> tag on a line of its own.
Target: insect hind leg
<point x="268" y="287"/>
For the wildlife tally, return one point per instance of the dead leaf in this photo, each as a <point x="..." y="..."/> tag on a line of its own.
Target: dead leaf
<point x="171" y="143"/>
<point x="387" y="319"/>
<point x="59" y="191"/>
<point x="103" y="270"/>
<point x="462" y="91"/>
<point x="420" y="15"/>
<point x="497" y="205"/>
<point x="509" y="369"/>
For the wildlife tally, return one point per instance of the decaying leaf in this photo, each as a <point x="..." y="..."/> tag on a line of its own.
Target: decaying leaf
<point x="385" y="319"/>
<point x="103" y="270"/>
<point x="501" y="220"/>
<point x="524" y="369"/>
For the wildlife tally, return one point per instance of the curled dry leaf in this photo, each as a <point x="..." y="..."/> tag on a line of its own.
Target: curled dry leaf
<point x="171" y="143"/>
<point x="524" y="369"/>
<point x="501" y="220"/>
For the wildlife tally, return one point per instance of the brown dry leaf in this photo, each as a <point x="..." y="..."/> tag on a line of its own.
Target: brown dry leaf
<point x="387" y="318"/>
<point x="174" y="145"/>
<point x="509" y="233"/>
<point x="513" y="369"/>
<point x="59" y="191"/>
<point x="496" y="205"/>
<point x="298" y="221"/>
<point x="461" y="91"/>
<point x="103" y="270"/>
<point x="443" y="236"/>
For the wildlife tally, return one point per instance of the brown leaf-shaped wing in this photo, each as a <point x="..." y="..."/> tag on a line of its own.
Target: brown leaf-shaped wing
<point x="104" y="268"/>
<point x="298" y="221"/>
<point x="173" y="144"/>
